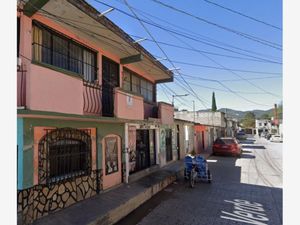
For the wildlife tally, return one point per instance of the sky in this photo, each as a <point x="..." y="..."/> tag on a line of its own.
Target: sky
<point x="257" y="86"/>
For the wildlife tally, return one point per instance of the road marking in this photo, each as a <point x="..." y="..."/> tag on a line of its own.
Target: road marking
<point x="247" y="212"/>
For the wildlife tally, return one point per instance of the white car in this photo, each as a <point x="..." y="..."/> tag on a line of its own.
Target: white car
<point x="276" y="138"/>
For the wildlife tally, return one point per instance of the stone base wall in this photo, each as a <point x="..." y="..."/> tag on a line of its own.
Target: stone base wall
<point x="40" y="200"/>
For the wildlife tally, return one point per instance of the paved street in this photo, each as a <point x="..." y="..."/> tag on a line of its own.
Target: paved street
<point x="244" y="191"/>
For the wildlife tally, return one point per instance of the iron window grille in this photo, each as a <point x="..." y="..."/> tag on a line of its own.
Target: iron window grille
<point x="53" y="48"/>
<point x="64" y="153"/>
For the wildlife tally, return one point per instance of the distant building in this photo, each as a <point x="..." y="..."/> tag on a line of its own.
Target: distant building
<point x="263" y="126"/>
<point x="208" y="126"/>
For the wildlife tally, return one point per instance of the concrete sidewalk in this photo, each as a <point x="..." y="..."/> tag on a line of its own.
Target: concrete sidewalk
<point x="108" y="208"/>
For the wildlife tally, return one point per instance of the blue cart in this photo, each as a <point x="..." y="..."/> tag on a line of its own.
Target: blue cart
<point x="196" y="168"/>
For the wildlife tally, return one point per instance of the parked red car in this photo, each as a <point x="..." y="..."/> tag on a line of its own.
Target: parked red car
<point x="227" y="146"/>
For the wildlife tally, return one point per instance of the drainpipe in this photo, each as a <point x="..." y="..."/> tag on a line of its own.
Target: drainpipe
<point x="126" y="154"/>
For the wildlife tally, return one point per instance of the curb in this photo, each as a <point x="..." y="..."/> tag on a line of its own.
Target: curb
<point x="124" y="209"/>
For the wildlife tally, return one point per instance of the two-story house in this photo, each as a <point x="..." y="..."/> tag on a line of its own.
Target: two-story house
<point x="88" y="118"/>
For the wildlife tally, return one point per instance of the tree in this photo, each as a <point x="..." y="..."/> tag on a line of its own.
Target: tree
<point x="214" y="105"/>
<point x="249" y="120"/>
<point x="265" y="116"/>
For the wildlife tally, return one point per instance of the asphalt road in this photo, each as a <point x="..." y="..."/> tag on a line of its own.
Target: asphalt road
<point x="246" y="190"/>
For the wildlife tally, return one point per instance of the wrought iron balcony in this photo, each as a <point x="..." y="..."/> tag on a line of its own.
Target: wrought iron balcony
<point x="92" y="103"/>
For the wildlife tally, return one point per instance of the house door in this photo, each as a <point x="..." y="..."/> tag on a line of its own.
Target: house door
<point x="142" y="150"/>
<point x="169" y="155"/>
<point x="110" y="80"/>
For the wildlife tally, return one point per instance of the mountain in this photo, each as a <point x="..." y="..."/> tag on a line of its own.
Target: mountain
<point x="240" y="114"/>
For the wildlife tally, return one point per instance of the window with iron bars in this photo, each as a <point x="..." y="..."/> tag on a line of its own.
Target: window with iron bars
<point x="64" y="153"/>
<point x="51" y="47"/>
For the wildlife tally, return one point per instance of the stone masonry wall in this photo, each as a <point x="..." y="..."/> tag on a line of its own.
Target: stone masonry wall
<point x="40" y="200"/>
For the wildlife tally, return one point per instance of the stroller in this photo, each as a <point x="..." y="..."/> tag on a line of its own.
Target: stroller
<point x="196" y="167"/>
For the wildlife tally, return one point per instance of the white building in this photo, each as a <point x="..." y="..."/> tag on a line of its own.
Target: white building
<point x="263" y="126"/>
<point x="216" y="119"/>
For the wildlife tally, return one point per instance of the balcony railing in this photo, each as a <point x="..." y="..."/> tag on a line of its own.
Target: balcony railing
<point x="21" y="86"/>
<point x="91" y="98"/>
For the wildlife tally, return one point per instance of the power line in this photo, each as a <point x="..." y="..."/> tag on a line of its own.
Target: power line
<point x="192" y="33"/>
<point x="253" y="58"/>
<point x="235" y="80"/>
<point x="179" y="72"/>
<point x="222" y="68"/>
<point x="162" y="51"/>
<point x="179" y="62"/>
<point x="242" y="14"/>
<point x="172" y="31"/>
<point x="247" y="36"/>
<point x="256" y="59"/>
<point x="236" y="74"/>
<point x="171" y="91"/>
<point x="223" y="90"/>
<point x="192" y="49"/>
<point x="230" y="71"/>
<point x="166" y="95"/>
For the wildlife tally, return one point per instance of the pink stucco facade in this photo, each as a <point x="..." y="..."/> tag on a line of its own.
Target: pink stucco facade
<point x="53" y="91"/>
<point x="50" y="90"/>
<point x="166" y="113"/>
<point x="128" y="106"/>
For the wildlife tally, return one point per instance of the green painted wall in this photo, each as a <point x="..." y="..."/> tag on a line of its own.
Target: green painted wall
<point x="163" y="142"/>
<point x="20" y="153"/>
<point x="103" y="129"/>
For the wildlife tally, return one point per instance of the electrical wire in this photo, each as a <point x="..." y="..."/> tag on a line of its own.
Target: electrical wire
<point x="243" y="15"/>
<point x="164" y="53"/>
<point x="192" y="49"/>
<point x="192" y="33"/>
<point x="162" y="28"/>
<point x="229" y="70"/>
<point x="247" y="36"/>
<point x="234" y="80"/>
<point x="232" y="72"/>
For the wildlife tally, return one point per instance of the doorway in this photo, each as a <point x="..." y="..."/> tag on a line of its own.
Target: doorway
<point x="110" y="80"/>
<point x="142" y="150"/>
<point x="169" y="155"/>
